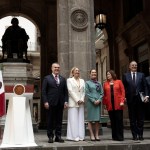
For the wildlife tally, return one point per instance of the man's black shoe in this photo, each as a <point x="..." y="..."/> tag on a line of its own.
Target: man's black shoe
<point x="58" y="139"/>
<point x="50" y="140"/>
<point x="120" y="139"/>
<point x="141" y="138"/>
<point x="135" y="139"/>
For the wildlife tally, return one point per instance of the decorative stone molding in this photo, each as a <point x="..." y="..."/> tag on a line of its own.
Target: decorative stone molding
<point x="79" y="20"/>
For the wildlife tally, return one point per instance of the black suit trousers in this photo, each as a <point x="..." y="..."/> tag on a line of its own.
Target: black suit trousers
<point x="54" y="118"/>
<point x="136" y="116"/>
<point x="116" y="118"/>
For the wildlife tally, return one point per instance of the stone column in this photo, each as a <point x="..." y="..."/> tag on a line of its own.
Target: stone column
<point x="76" y="36"/>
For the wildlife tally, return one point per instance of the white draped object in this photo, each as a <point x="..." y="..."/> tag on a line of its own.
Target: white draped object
<point x="18" y="130"/>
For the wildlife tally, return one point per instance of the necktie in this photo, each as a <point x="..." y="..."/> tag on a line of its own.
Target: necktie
<point x="56" y="78"/>
<point x="133" y="77"/>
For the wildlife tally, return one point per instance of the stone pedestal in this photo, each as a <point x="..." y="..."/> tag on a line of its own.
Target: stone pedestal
<point x="17" y="73"/>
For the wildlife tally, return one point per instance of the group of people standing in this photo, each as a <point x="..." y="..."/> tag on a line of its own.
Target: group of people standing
<point x="58" y="93"/>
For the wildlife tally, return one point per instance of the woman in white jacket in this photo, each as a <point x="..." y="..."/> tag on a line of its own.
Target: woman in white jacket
<point x="76" y="90"/>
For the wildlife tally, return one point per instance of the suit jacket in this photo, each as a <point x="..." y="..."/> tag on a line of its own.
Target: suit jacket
<point x="119" y="95"/>
<point x="148" y="84"/>
<point x="140" y="85"/>
<point x="75" y="91"/>
<point x="52" y="93"/>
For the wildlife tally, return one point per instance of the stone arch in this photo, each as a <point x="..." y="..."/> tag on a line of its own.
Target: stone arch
<point x="27" y="13"/>
<point x="33" y="20"/>
<point x="44" y="15"/>
<point x="30" y="18"/>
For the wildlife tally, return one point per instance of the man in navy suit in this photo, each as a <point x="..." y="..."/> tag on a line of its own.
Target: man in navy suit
<point x="55" y="98"/>
<point x="148" y="83"/>
<point x="134" y="83"/>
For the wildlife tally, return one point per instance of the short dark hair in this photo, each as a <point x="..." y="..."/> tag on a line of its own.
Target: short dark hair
<point x="14" y="20"/>
<point x="113" y="74"/>
<point x="54" y="63"/>
<point x="92" y="70"/>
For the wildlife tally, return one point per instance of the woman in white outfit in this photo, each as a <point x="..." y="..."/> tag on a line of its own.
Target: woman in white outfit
<point x="76" y="90"/>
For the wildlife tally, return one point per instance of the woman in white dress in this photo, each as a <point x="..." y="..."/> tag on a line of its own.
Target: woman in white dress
<point x="76" y="90"/>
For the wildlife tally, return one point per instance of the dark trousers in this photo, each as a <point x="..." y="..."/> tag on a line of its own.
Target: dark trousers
<point x="136" y="116"/>
<point x="54" y="118"/>
<point x="116" y="118"/>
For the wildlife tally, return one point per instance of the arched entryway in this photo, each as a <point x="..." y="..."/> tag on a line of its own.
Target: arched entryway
<point x="33" y="55"/>
<point x="43" y="15"/>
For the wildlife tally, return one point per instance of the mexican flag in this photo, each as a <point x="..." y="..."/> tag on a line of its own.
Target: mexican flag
<point x="2" y="96"/>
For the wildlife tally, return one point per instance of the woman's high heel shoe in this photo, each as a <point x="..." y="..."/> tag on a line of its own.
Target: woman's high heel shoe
<point x="97" y="138"/>
<point x="92" y="138"/>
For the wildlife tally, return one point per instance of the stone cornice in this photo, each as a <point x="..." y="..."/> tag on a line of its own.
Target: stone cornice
<point x="134" y="31"/>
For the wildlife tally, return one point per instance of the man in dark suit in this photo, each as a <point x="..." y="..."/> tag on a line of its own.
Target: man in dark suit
<point x="55" y="98"/>
<point x="134" y="83"/>
<point x="148" y="83"/>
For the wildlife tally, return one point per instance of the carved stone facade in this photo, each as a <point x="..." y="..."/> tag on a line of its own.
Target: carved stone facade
<point x="133" y="36"/>
<point x="79" y="20"/>
<point x="128" y="38"/>
<point x="76" y="35"/>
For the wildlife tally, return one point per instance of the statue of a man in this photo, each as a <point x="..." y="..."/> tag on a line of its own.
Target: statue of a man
<point x="15" y="40"/>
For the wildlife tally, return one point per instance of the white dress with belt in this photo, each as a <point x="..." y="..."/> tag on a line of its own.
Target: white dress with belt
<point x="75" y="125"/>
